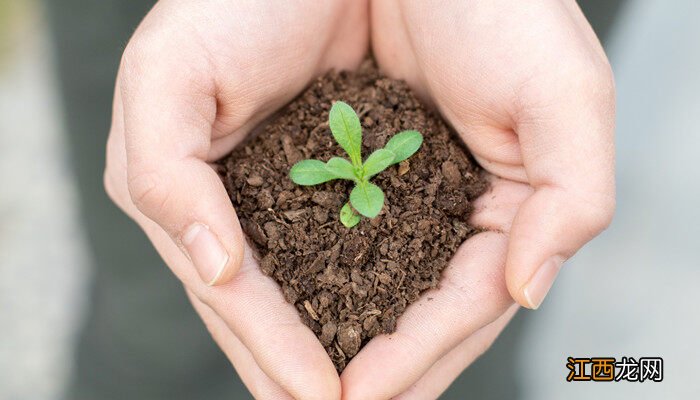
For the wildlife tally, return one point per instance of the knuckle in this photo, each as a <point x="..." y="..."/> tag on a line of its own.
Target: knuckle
<point x="588" y="212"/>
<point x="597" y="215"/>
<point x="606" y="214"/>
<point x="149" y="193"/>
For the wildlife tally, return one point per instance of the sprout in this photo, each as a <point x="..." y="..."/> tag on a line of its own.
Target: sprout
<point x="366" y="198"/>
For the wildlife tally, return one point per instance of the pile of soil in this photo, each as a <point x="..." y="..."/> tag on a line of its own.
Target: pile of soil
<point x="350" y="285"/>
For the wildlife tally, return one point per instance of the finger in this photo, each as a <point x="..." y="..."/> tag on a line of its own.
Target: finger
<point x="471" y="294"/>
<point x="259" y="384"/>
<point x="566" y="136"/>
<point x="251" y="305"/>
<point x="169" y="109"/>
<point x="448" y="368"/>
<point x="270" y="327"/>
<point x="253" y="308"/>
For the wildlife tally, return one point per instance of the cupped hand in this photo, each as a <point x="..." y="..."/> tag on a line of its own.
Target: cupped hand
<point x="528" y="88"/>
<point x="194" y="79"/>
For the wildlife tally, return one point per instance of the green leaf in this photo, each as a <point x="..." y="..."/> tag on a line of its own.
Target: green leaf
<point x="310" y="172"/>
<point x="347" y="131"/>
<point x="348" y="216"/>
<point x="377" y="162"/>
<point x="367" y="198"/>
<point x="341" y="168"/>
<point x="404" y="144"/>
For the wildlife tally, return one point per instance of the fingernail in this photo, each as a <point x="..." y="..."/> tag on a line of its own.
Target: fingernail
<point x="206" y="252"/>
<point x="537" y="288"/>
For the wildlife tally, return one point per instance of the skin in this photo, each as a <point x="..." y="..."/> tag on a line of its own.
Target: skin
<point x="529" y="89"/>
<point x="525" y="84"/>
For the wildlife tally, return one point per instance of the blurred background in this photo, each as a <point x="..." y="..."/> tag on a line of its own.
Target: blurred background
<point x="88" y="310"/>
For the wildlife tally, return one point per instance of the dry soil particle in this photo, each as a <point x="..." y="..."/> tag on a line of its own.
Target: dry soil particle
<point x="350" y="285"/>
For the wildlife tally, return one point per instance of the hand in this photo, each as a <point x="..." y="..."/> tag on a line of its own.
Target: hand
<point x="195" y="78"/>
<point x="528" y="88"/>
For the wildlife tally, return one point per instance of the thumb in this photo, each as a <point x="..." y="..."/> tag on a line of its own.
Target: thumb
<point x="168" y="115"/>
<point x="569" y="159"/>
<point x="551" y="225"/>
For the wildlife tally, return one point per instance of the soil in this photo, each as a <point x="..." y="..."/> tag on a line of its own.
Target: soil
<point x="350" y="285"/>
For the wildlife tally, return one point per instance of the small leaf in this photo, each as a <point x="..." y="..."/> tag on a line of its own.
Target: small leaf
<point x="310" y="172"/>
<point x="377" y="162"/>
<point x="348" y="216"/>
<point x="367" y="198"/>
<point x="341" y="168"/>
<point x="347" y="131"/>
<point x="404" y="144"/>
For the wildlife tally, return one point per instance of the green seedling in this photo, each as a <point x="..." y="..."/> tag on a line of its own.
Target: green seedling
<point x="366" y="198"/>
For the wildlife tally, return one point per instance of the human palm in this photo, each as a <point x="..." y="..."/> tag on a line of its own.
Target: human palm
<point x="526" y="87"/>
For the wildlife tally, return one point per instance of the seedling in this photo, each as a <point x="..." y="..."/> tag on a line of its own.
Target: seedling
<point x="366" y="198"/>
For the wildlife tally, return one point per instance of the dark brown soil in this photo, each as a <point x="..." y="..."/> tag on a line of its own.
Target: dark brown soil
<point x="350" y="285"/>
